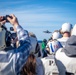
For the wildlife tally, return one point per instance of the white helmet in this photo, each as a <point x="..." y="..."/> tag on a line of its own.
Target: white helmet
<point x="74" y="30"/>
<point x="56" y="35"/>
<point x="2" y="38"/>
<point x="66" y="27"/>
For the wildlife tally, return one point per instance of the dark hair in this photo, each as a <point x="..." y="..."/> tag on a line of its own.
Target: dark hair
<point x="44" y="40"/>
<point x="30" y="66"/>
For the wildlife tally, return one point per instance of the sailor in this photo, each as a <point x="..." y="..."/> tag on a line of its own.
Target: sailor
<point x="49" y="64"/>
<point x="66" y="31"/>
<point x="53" y="45"/>
<point x="66" y="57"/>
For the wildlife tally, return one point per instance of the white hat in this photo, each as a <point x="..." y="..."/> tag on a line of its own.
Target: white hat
<point x="2" y="38"/>
<point x="56" y="35"/>
<point x="74" y="30"/>
<point x="66" y="27"/>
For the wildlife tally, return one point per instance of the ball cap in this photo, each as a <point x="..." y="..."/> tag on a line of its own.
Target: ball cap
<point x="56" y="35"/>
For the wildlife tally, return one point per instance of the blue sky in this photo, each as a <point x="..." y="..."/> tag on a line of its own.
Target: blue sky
<point x="39" y="15"/>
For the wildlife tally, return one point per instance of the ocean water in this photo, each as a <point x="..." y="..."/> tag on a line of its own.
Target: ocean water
<point x="39" y="41"/>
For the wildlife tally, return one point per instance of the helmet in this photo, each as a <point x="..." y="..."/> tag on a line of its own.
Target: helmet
<point x="74" y="30"/>
<point x="2" y="38"/>
<point x="66" y="27"/>
<point x="56" y="35"/>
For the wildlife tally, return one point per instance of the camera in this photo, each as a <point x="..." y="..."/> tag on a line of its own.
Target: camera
<point x="5" y="18"/>
<point x="9" y="36"/>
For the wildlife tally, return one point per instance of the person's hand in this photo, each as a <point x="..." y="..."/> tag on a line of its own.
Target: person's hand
<point x="2" y="22"/>
<point x="13" y="20"/>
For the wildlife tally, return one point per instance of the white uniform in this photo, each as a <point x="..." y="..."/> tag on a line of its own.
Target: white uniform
<point x="50" y="67"/>
<point x="63" y="40"/>
<point x="66" y="27"/>
<point x="65" y="63"/>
